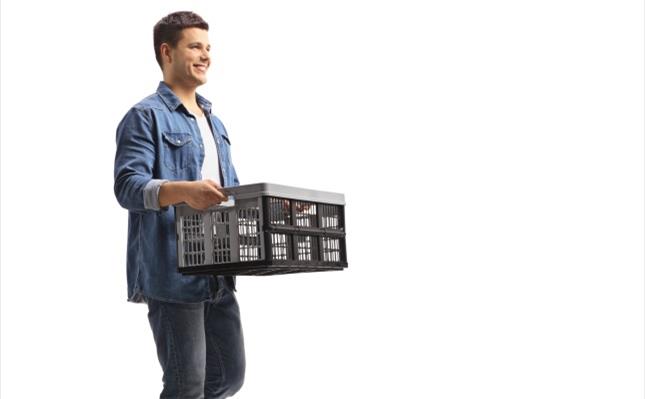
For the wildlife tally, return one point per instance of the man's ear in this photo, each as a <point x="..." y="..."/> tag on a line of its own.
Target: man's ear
<point x="164" y="50"/>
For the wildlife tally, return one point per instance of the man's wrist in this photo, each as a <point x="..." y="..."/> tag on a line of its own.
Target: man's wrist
<point x="172" y="192"/>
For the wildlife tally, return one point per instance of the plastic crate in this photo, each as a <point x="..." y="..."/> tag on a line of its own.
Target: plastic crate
<point x="263" y="229"/>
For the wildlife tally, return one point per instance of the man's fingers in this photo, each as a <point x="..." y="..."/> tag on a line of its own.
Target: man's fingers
<point x="218" y="195"/>
<point x="215" y="191"/>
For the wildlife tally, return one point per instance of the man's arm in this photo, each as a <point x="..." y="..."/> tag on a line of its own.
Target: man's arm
<point x="134" y="186"/>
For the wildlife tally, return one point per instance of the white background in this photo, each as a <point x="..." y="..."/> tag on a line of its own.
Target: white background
<point x="492" y="158"/>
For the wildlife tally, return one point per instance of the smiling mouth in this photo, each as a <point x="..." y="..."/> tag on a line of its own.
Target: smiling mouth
<point x="199" y="67"/>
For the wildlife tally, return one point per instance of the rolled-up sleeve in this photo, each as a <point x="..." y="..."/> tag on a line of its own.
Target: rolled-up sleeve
<point x="151" y="194"/>
<point x="134" y="186"/>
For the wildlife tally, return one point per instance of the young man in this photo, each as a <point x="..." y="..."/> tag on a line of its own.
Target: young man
<point x="172" y="149"/>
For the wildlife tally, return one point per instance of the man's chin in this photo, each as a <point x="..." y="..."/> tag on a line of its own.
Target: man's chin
<point x="199" y="80"/>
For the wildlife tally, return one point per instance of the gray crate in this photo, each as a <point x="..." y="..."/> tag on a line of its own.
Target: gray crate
<point x="263" y="229"/>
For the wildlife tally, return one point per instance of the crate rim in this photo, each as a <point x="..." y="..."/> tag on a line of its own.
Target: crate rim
<point x="280" y="190"/>
<point x="254" y="190"/>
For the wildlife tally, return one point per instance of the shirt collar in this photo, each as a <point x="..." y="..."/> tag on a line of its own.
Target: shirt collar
<point x="173" y="102"/>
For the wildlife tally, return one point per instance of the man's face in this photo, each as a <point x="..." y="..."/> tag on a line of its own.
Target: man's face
<point x="190" y="60"/>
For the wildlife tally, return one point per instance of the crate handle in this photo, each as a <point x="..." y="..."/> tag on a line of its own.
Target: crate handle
<point x="226" y="204"/>
<point x="230" y="190"/>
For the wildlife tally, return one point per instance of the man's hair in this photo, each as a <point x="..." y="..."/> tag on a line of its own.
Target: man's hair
<point x="168" y="29"/>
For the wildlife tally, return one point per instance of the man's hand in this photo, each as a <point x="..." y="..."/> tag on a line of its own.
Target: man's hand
<point x="198" y="195"/>
<point x="204" y="194"/>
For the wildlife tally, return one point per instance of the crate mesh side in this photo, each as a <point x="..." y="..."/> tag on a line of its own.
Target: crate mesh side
<point x="306" y="215"/>
<point x="248" y="220"/>
<point x="330" y="216"/>
<point x="192" y="228"/>
<point x="306" y="248"/>
<point x="280" y="244"/>
<point x="292" y="232"/>
<point x="331" y="249"/>
<point x="221" y="237"/>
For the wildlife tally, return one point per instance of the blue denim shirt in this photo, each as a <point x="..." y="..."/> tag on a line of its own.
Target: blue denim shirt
<point x="156" y="141"/>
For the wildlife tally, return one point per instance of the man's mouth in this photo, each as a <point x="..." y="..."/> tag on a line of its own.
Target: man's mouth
<point x="200" y="67"/>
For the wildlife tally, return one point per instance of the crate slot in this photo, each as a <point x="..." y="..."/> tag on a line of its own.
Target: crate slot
<point x="331" y="249"/>
<point x="306" y="215"/>
<point x="280" y="246"/>
<point x="193" y="239"/>
<point x="249" y="233"/>
<point x="330" y="216"/>
<point x="306" y="248"/>
<point x="279" y="211"/>
<point x="221" y="237"/>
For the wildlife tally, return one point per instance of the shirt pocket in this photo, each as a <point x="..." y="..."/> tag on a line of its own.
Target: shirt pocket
<point x="178" y="150"/>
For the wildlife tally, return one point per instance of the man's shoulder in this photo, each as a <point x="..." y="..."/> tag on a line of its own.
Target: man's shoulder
<point x="153" y="101"/>
<point x="145" y="109"/>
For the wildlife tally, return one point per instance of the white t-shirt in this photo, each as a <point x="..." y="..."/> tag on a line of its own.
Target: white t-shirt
<point x="210" y="168"/>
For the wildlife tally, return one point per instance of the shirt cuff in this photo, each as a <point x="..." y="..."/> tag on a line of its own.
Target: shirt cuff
<point x="151" y="195"/>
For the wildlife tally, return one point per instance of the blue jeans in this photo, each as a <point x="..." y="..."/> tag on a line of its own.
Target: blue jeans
<point x="200" y="346"/>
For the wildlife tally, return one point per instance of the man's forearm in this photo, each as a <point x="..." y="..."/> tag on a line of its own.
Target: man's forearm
<point x="198" y="194"/>
<point x="172" y="192"/>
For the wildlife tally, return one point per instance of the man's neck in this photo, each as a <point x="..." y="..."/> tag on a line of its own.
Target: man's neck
<point x="187" y="96"/>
